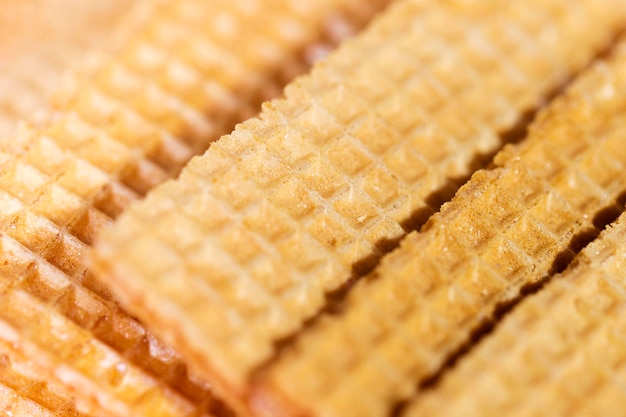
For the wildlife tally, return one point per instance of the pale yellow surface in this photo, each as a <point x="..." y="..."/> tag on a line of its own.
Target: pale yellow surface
<point x="562" y="352"/>
<point x="243" y="247"/>
<point x="508" y="227"/>
<point x="42" y="39"/>
<point x="179" y="74"/>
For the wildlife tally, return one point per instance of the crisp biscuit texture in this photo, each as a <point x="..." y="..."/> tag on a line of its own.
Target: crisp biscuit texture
<point x="179" y="74"/>
<point x="505" y="230"/>
<point x="239" y="251"/>
<point x="570" y="360"/>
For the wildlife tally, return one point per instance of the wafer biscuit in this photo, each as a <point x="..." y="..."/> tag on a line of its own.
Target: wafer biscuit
<point x="39" y="40"/>
<point x="16" y="405"/>
<point x="26" y="391"/>
<point x="53" y="318"/>
<point x="128" y="120"/>
<point x="242" y="248"/>
<point x="559" y="353"/>
<point x="505" y="230"/>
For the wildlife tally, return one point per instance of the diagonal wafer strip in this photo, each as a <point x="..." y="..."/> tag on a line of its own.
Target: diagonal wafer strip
<point x="242" y="248"/>
<point x="30" y="67"/>
<point x="26" y="391"/>
<point x="561" y="352"/>
<point x="127" y="122"/>
<point x="506" y="229"/>
<point x="53" y="319"/>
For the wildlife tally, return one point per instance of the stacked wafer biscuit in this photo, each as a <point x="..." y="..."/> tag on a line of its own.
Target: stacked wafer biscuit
<point x="571" y="358"/>
<point x="240" y="262"/>
<point x="125" y="120"/>
<point x="262" y="263"/>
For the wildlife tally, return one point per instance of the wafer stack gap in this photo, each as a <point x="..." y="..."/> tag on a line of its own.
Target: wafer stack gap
<point x="559" y="353"/>
<point x="242" y="248"/>
<point x="506" y="229"/>
<point x="122" y="125"/>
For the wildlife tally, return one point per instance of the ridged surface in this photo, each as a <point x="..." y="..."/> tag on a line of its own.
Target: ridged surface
<point x="184" y="73"/>
<point x="562" y="352"/>
<point x="25" y="390"/>
<point x="39" y="41"/>
<point x="56" y="321"/>
<point x="240" y="250"/>
<point x="15" y="405"/>
<point x="505" y="230"/>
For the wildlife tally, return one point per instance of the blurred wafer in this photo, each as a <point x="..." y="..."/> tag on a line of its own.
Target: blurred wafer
<point x="561" y="352"/>
<point x="26" y="389"/>
<point x="239" y="251"/>
<point x="65" y="329"/>
<point x="505" y="231"/>
<point x="40" y="40"/>
<point x="179" y="74"/>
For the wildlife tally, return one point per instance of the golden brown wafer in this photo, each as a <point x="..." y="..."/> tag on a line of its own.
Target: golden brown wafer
<point x="40" y="40"/>
<point x="26" y="390"/>
<point x="505" y="230"/>
<point x="16" y="405"/>
<point x="242" y="248"/>
<point x="559" y="353"/>
<point x="55" y="319"/>
<point x="129" y="120"/>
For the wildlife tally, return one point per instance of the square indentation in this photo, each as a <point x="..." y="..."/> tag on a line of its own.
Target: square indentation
<point x="531" y="236"/>
<point x="472" y="231"/>
<point x="578" y="191"/>
<point x="269" y="221"/>
<point x="288" y="144"/>
<point x="374" y="133"/>
<point x="58" y="205"/>
<point x="344" y="103"/>
<point x="355" y="207"/>
<point x="406" y="164"/>
<point x="23" y="182"/>
<point x="400" y="113"/>
<point x="505" y="259"/>
<point x="381" y="185"/>
<point x="320" y="175"/>
<point x="83" y="179"/>
<point x="480" y="280"/>
<point x="301" y="251"/>
<point x="88" y="225"/>
<point x="348" y="156"/>
<point x="329" y="231"/>
<point x="317" y="125"/>
<point x="272" y="274"/>
<point x="294" y="197"/>
<point x="555" y="213"/>
<point x="240" y="243"/>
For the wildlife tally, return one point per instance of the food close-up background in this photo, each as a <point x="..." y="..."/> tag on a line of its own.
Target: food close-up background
<point x="331" y="208"/>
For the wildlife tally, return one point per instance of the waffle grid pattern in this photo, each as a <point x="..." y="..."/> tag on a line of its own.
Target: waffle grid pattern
<point x="107" y="144"/>
<point x="276" y="214"/>
<point x="24" y="392"/>
<point x="73" y="327"/>
<point x="504" y="230"/>
<point x="571" y="358"/>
